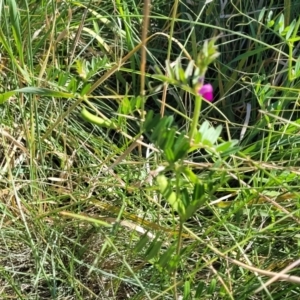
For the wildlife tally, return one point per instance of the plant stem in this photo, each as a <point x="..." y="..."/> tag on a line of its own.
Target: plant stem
<point x="197" y="109"/>
<point x="178" y="257"/>
<point x="172" y="25"/>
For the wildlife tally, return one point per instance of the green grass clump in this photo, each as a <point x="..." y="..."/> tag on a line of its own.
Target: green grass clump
<point x="114" y="185"/>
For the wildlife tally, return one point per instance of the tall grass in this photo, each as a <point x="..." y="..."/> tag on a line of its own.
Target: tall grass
<point x="82" y="214"/>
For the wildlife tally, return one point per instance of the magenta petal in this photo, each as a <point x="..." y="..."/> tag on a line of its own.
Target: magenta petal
<point x="206" y="91"/>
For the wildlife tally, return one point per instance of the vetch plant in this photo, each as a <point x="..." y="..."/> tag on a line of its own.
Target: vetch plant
<point x="183" y="190"/>
<point x="176" y="146"/>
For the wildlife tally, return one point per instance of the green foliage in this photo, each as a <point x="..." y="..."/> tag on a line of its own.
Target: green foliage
<point x="35" y="91"/>
<point x="86" y="69"/>
<point x="290" y="35"/>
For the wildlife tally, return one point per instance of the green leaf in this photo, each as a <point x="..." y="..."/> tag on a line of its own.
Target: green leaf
<point x="85" y="89"/>
<point x="171" y="197"/>
<point x="166" y="79"/>
<point x="160" y="127"/>
<point x="269" y="17"/>
<point x="226" y="146"/>
<point x="81" y="68"/>
<point x="151" y="121"/>
<point x="198" y="192"/>
<point x="203" y="128"/>
<point x="45" y="92"/>
<point x="141" y="243"/>
<point x="284" y="32"/>
<point x="294" y="39"/>
<point x="169" y="154"/>
<point x="248" y="54"/>
<point x="209" y="135"/>
<point x="270" y="23"/>
<point x="5" y="96"/>
<point x="199" y="290"/>
<point x="97" y="64"/>
<point x="173" y="263"/>
<point x="189" y="69"/>
<point x="193" y="207"/>
<point x="3" y="41"/>
<point x="157" y="70"/>
<point x="153" y="249"/>
<point x="182" y="77"/>
<point x="166" y="139"/>
<point x="212" y="286"/>
<point x="297" y="68"/>
<point x="169" y="71"/>
<point x="179" y="73"/>
<point x="187" y="290"/>
<point x="181" y="147"/>
<point x="279" y="25"/>
<point x="16" y="29"/>
<point x="63" y="77"/>
<point x="185" y="198"/>
<point x="138" y="102"/>
<point x="261" y="14"/>
<point x="125" y="106"/>
<point x="72" y="85"/>
<point x="228" y="150"/>
<point x="191" y="176"/>
<point x="166" y="256"/>
<point x="148" y="123"/>
<point x="289" y="29"/>
<point x="36" y="91"/>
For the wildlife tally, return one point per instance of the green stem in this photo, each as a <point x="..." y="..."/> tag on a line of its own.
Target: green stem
<point x="174" y="13"/>
<point x="178" y="256"/>
<point x="197" y="109"/>
<point x="179" y="238"/>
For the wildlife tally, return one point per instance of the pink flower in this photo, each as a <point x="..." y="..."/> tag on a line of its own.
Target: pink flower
<point x="206" y="91"/>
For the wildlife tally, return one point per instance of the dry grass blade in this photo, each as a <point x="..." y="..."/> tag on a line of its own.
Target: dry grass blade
<point x="278" y="276"/>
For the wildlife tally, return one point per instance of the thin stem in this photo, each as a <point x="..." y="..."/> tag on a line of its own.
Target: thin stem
<point x="147" y="4"/>
<point x="197" y="109"/>
<point x="178" y="256"/>
<point x="179" y="242"/>
<point x="174" y="13"/>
